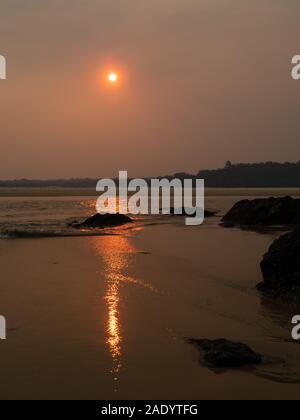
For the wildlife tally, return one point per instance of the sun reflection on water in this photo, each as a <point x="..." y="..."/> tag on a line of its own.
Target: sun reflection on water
<point x="117" y="253"/>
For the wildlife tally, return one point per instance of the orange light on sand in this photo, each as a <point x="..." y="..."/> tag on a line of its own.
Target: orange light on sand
<point x="113" y="77"/>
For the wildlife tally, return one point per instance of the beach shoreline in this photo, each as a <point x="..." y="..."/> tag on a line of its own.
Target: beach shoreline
<point x="90" y="192"/>
<point x="107" y="317"/>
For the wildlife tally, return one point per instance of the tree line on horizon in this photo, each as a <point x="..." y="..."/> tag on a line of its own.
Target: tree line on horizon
<point x="241" y="175"/>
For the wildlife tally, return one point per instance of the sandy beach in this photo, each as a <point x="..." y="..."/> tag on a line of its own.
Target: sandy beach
<point x="108" y="317"/>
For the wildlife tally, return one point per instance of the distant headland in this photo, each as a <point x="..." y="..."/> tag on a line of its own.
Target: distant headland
<point x="240" y="175"/>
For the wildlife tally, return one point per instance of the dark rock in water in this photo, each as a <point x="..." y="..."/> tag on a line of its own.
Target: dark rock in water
<point x="281" y="269"/>
<point x="223" y="353"/>
<point x="103" y="220"/>
<point x="209" y="213"/>
<point x="264" y="212"/>
<point x="183" y="212"/>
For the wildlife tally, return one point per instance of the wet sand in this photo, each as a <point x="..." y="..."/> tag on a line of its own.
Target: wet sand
<point x="107" y="317"/>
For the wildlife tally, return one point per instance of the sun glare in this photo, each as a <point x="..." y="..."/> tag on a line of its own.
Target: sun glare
<point x="113" y="77"/>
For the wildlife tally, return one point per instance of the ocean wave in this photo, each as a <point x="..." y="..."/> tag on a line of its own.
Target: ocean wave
<point x="32" y="234"/>
<point x="62" y="229"/>
<point x="4" y="236"/>
<point x="23" y="231"/>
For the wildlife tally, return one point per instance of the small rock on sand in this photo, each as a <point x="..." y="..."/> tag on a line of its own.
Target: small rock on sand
<point x="221" y="353"/>
<point x="102" y="221"/>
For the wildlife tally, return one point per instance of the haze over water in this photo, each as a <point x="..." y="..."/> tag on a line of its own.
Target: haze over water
<point x="201" y="82"/>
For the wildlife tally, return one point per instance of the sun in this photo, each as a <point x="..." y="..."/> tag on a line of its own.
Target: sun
<point x="113" y="77"/>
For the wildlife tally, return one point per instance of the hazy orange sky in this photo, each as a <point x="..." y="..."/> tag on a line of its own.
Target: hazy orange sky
<point x="202" y="81"/>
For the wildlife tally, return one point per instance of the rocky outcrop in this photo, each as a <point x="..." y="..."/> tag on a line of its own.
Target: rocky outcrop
<point x="264" y="212"/>
<point x="281" y="269"/>
<point x="221" y="353"/>
<point x="103" y="220"/>
<point x="209" y="213"/>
